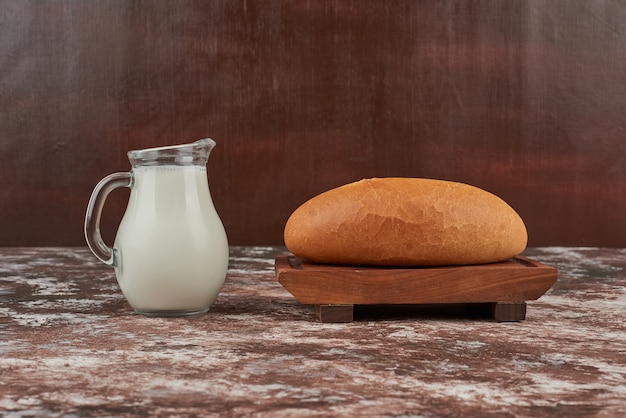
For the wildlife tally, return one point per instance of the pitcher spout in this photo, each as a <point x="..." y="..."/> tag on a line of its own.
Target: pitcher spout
<point x="203" y="147"/>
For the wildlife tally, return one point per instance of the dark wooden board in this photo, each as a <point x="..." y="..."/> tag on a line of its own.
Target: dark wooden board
<point x="525" y="100"/>
<point x="334" y="289"/>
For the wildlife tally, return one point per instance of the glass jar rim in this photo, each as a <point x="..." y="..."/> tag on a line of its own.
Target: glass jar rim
<point x="195" y="153"/>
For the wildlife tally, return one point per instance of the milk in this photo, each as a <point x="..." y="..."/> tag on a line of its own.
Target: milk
<point x="171" y="248"/>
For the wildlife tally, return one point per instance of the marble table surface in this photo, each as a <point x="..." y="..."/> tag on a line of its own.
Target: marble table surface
<point x="70" y="346"/>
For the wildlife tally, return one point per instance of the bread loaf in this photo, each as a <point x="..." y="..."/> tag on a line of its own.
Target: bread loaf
<point x="405" y="222"/>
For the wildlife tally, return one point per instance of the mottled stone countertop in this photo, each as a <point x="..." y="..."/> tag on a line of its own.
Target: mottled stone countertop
<point x="70" y="346"/>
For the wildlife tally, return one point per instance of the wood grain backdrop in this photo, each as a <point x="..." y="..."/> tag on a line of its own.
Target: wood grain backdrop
<point x="526" y="99"/>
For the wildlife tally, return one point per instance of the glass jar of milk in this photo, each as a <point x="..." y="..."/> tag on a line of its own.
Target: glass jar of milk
<point x="171" y="252"/>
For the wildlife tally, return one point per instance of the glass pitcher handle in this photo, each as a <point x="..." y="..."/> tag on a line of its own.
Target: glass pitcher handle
<point x="94" y="210"/>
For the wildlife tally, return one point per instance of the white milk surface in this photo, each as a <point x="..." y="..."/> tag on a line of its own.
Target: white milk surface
<point x="171" y="247"/>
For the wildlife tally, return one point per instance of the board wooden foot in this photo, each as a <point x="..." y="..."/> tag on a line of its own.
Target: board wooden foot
<point x="508" y="311"/>
<point x="334" y="313"/>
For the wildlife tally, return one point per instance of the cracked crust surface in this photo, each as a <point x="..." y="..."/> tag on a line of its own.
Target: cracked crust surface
<point x="404" y="222"/>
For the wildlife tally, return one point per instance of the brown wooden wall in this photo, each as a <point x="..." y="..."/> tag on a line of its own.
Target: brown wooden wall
<point x="526" y="99"/>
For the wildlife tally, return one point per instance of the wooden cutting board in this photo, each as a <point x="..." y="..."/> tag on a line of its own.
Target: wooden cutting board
<point x="334" y="290"/>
